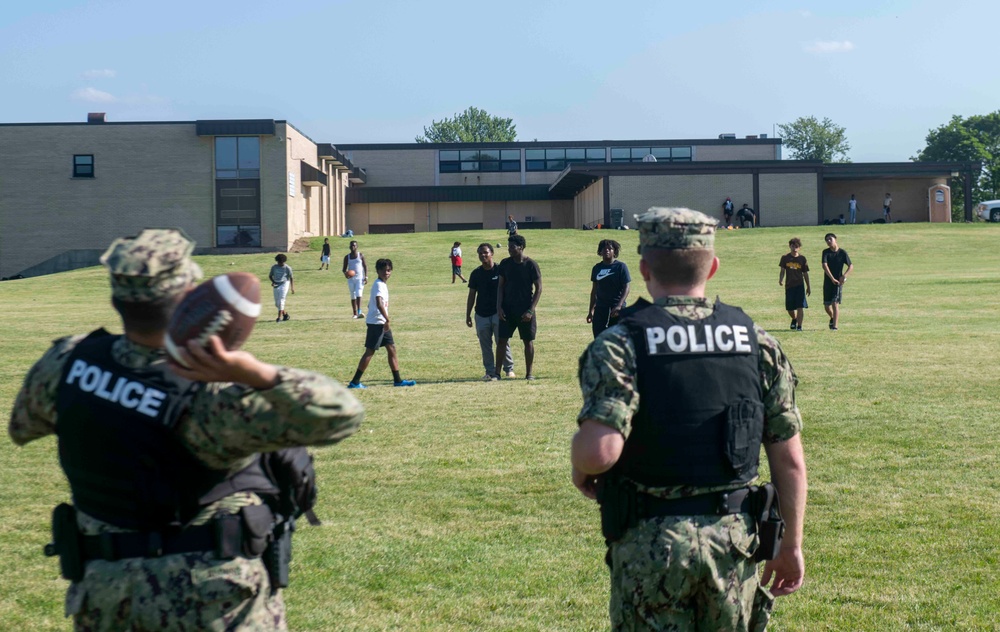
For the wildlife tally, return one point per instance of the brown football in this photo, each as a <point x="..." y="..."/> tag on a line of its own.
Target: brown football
<point x="227" y="306"/>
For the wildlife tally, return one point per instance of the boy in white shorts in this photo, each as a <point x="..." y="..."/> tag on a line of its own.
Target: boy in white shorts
<point x="356" y="272"/>
<point x="282" y="282"/>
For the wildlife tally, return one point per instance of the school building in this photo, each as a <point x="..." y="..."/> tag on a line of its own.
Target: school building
<point x="68" y="189"/>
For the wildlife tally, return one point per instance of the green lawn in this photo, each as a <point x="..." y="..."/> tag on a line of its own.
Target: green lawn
<point x="452" y="508"/>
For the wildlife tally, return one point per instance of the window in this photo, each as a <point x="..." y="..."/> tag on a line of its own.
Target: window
<point x="237" y="157"/>
<point x="662" y="154"/>
<point x="490" y="160"/>
<point x="557" y="159"/>
<point x="83" y="166"/>
<point x="237" y="191"/>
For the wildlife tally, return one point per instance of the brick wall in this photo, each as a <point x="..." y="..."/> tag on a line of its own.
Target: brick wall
<point x="705" y="193"/>
<point x="397" y="167"/>
<point x="145" y="176"/>
<point x="788" y="199"/>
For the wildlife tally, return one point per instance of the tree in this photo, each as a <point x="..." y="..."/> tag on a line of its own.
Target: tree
<point x="974" y="139"/>
<point x="471" y="126"/>
<point x="810" y="139"/>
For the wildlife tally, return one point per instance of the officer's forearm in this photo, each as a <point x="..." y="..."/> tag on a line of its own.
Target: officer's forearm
<point x="788" y="471"/>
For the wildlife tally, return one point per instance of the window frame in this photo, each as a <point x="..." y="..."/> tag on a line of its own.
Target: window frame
<point x="79" y="167"/>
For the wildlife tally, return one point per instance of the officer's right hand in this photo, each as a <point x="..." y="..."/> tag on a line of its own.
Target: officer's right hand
<point x="590" y="317"/>
<point x="468" y="321"/>
<point x="788" y="569"/>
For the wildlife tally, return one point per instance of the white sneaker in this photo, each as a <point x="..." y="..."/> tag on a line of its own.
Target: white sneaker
<point x="511" y="374"/>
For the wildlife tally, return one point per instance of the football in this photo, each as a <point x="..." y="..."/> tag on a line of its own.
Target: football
<point x="351" y="273"/>
<point x="227" y="306"/>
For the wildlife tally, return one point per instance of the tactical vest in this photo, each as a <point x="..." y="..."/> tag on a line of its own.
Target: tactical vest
<point x="118" y="447"/>
<point x="701" y="416"/>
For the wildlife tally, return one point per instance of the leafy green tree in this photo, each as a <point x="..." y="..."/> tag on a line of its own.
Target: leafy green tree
<point x="976" y="138"/>
<point x="471" y="126"/>
<point x="810" y="139"/>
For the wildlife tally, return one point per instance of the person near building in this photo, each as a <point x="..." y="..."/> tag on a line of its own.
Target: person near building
<point x="746" y="216"/>
<point x="852" y="209"/>
<point x="678" y="399"/>
<point x="727" y="211"/>
<point x="282" y="283"/>
<point x="511" y="226"/>
<point x="887" y="209"/>
<point x="456" y="262"/>
<point x="324" y="257"/>
<point x="171" y="498"/>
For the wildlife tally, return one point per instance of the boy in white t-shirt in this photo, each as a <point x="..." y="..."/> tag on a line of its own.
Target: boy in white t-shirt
<point x="379" y="333"/>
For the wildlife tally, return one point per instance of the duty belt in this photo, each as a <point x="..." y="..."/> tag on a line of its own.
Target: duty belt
<point x="719" y="504"/>
<point x="224" y="536"/>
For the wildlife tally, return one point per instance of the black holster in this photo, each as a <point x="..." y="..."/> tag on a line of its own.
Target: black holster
<point x="277" y="556"/>
<point x="618" y="501"/>
<point x="66" y="542"/>
<point x="770" y="525"/>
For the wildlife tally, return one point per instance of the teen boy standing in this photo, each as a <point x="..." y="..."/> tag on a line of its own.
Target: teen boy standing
<point x="834" y="260"/>
<point x="797" y="288"/>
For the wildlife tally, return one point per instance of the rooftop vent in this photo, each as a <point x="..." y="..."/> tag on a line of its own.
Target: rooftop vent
<point x="727" y="136"/>
<point x="97" y="117"/>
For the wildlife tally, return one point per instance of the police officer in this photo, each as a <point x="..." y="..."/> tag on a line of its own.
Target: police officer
<point x="168" y="523"/>
<point x="678" y="398"/>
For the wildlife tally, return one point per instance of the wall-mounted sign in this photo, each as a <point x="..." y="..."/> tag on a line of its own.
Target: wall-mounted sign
<point x="291" y="184"/>
<point x="939" y="196"/>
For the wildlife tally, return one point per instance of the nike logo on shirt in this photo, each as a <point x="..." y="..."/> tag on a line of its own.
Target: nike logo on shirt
<point x="604" y="273"/>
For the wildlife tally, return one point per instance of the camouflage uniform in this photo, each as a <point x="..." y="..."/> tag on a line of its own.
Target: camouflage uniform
<point x="225" y="426"/>
<point x="664" y="566"/>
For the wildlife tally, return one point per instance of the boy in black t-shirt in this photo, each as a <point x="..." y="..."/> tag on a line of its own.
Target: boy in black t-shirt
<point x="610" y="286"/>
<point x="834" y="260"/>
<point x="517" y="295"/>
<point x="483" y="283"/>
<point x="797" y="287"/>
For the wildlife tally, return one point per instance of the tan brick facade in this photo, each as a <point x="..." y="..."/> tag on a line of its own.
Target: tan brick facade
<point x="145" y="174"/>
<point x="588" y="206"/>
<point x="428" y="216"/>
<point x="736" y="151"/>
<point x="788" y="199"/>
<point x="909" y="198"/>
<point x="705" y="193"/>
<point x="397" y="168"/>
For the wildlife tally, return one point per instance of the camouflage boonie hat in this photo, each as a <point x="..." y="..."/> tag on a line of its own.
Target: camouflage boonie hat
<point x="153" y="265"/>
<point x="675" y="229"/>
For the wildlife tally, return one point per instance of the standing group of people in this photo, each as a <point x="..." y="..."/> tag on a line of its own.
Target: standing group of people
<point x="504" y="296"/>
<point x="852" y="209"/>
<point x="746" y="217"/>
<point x="794" y="276"/>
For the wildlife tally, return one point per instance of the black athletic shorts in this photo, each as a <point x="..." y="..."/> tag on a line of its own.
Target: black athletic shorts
<point x="831" y="293"/>
<point x="378" y="337"/>
<point x="795" y="298"/>
<point x="514" y="323"/>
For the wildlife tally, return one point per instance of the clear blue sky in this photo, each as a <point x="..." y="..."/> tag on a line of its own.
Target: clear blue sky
<point x="378" y="71"/>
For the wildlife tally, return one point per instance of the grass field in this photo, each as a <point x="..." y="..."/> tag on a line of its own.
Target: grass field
<point x="452" y="508"/>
